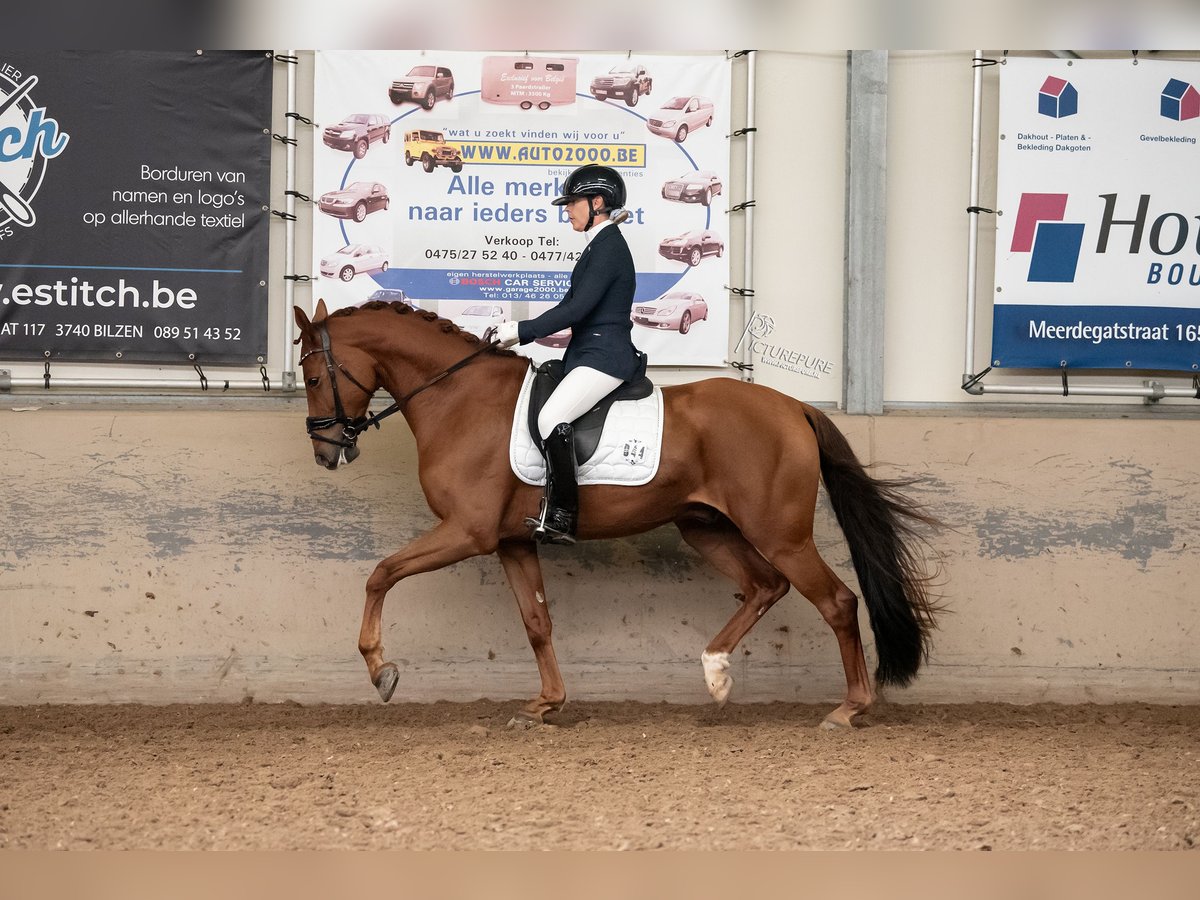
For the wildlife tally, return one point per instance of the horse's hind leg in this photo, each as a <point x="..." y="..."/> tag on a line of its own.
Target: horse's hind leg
<point x="723" y="545"/>
<point x="838" y="606"/>
<point x="520" y="561"/>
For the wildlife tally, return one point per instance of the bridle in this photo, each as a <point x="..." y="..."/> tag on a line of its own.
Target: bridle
<point x="352" y="428"/>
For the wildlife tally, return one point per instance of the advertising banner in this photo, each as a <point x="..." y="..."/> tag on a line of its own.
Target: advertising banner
<point x="1098" y="232"/>
<point x="133" y="205"/>
<point x="435" y="172"/>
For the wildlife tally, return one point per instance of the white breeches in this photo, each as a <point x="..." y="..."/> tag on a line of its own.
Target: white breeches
<point x="579" y="391"/>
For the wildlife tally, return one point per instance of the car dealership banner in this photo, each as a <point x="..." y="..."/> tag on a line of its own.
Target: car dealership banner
<point x="434" y="173"/>
<point x="133" y="197"/>
<point x="1098" y="233"/>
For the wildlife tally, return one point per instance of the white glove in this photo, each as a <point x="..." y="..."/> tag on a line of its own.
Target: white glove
<point x="506" y="335"/>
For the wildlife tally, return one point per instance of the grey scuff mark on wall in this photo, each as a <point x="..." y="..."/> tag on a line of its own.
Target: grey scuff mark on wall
<point x="167" y="537"/>
<point x="663" y="553"/>
<point x="1134" y="533"/>
<point x="942" y="500"/>
<point x="1135" y="530"/>
<point x="325" y="524"/>
<point x="660" y="552"/>
<point x="35" y="527"/>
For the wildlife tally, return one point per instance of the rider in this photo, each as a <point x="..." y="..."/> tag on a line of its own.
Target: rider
<point x="600" y="355"/>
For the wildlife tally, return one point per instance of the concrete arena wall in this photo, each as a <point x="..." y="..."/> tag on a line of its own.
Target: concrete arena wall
<point x="170" y="553"/>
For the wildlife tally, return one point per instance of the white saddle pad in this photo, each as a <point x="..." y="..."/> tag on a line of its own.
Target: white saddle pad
<point x="629" y="447"/>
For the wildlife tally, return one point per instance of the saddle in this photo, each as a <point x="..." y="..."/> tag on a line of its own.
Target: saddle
<point x="588" y="426"/>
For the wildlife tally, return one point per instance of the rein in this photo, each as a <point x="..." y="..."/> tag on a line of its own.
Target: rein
<point x="352" y="428"/>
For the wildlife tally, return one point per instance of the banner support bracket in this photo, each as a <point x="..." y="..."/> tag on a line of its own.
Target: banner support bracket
<point x="971" y="382"/>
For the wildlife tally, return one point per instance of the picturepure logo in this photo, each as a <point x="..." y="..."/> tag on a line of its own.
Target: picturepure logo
<point x="1180" y="101"/>
<point x="1053" y="244"/>
<point x="28" y="137"/>
<point x="1057" y="98"/>
<point x="755" y="334"/>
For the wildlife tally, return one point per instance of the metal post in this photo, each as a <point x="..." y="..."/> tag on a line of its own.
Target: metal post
<point x="973" y="223"/>
<point x="748" y="255"/>
<point x="866" y="238"/>
<point x="289" y="239"/>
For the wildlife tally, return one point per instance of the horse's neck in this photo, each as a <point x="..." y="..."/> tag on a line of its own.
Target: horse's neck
<point x="411" y="362"/>
<point x="408" y="365"/>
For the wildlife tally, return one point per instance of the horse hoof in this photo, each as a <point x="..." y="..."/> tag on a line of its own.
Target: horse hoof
<point x="716" y="676"/>
<point x="721" y="691"/>
<point x="523" y="721"/>
<point x="386" y="681"/>
<point x="834" y="723"/>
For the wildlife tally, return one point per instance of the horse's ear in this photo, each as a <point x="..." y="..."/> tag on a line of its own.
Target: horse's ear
<point x="302" y="321"/>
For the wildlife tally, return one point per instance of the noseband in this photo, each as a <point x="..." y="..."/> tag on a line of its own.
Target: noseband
<point x="352" y="428"/>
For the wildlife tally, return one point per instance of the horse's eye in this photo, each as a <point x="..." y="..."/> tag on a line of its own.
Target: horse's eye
<point x="314" y="381"/>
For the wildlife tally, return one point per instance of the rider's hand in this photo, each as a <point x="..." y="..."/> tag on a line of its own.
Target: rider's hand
<point x="506" y="335"/>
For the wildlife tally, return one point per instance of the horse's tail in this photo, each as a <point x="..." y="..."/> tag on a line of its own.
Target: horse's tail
<point x="879" y="523"/>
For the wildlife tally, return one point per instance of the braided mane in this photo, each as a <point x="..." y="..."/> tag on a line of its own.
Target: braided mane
<point x="401" y="308"/>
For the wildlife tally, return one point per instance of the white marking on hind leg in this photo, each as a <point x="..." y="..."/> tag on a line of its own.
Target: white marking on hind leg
<point x="716" y="675"/>
<point x="537" y="595"/>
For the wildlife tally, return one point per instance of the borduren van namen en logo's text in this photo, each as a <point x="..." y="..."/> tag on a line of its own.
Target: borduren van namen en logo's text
<point x="1054" y="244"/>
<point x="758" y="329"/>
<point x="28" y="137"/>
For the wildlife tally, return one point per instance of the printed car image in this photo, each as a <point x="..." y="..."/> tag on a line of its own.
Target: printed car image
<point x="357" y="133"/>
<point x="431" y="149"/>
<point x="355" y="201"/>
<point x="479" y="318"/>
<point x="680" y="116"/>
<point x="354" y="259"/>
<point x="692" y="246"/>
<point x="676" y="310"/>
<point x="558" y="340"/>
<point x="424" y="85"/>
<point x="390" y="295"/>
<point x="628" y="82"/>
<point x="693" y="187"/>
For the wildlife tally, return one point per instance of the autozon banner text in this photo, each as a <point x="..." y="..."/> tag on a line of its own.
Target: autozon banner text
<point x="133" y="192"/>
<point x="1098" y="232"/>
<point x="436" y="171"/>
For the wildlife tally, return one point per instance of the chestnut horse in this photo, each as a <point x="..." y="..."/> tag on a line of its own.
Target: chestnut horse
<point x="738" y="476"/>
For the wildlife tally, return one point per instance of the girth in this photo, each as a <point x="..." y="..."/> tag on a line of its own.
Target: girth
<point x="588" y="426"/>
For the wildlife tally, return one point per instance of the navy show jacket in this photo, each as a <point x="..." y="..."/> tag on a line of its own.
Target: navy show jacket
<point x="596" y="308"/>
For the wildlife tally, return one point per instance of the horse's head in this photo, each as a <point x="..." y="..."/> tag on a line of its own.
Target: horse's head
<point x="339" y="389"/>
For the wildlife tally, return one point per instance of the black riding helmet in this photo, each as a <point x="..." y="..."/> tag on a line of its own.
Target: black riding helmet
<point x="591" y="181"/>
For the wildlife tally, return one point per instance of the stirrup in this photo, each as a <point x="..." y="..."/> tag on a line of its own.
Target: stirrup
<point x="543" y="533"/>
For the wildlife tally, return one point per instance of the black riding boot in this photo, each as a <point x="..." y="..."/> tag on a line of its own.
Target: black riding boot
<point x="560" y="507"/>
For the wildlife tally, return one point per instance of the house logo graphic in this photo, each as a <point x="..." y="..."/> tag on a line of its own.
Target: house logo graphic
<point x="1179" y="101"/>
<point x="27" y="139"/>
<point x="1057" y="98"/>
<point x="1053" y="244"/>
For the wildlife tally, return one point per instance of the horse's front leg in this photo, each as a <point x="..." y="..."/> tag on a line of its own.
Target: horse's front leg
<point x="444" y="545"/>
<point x="520" y="561"/>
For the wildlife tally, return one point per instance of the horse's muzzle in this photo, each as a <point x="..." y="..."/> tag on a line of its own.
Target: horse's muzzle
<point x="332" y="451"/>
<point x="330" y="456"/>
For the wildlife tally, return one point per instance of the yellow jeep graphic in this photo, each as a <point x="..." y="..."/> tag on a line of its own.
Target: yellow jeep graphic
<point x="431" y="149"/>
